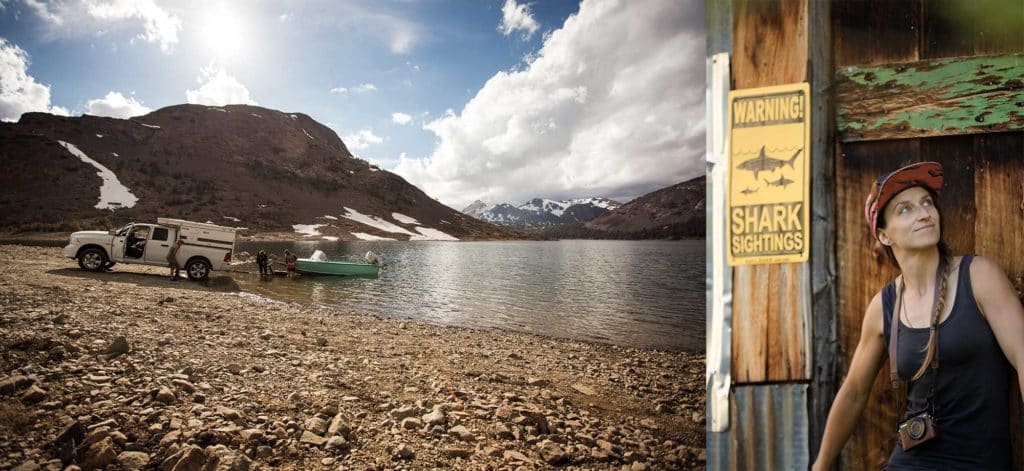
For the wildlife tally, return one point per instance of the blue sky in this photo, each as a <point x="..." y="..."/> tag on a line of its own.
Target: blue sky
<point x="498" y="100"/>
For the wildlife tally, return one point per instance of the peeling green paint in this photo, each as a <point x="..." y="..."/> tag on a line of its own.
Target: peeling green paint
<point x="945" y="96"/>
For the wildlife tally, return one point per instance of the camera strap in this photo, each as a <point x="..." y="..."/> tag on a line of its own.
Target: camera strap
<point x="940" y="272"/>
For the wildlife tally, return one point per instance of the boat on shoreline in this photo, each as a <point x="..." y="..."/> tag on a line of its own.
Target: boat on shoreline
<point x="318" y="264"/>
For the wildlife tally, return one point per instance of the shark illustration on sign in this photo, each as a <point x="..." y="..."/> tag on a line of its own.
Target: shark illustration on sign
<point x="748" y="190"/>
<point x="782" y="181"/>
<point x="764" y="163"/>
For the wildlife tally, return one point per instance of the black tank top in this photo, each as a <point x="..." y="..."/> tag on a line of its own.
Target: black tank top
<point x="972" y="392"/>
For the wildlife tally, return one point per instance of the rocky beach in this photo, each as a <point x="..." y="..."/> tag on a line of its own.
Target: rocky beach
<point x="129" y="370"/>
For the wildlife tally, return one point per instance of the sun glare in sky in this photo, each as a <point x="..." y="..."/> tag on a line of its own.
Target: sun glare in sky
<point x="222" y="33"/>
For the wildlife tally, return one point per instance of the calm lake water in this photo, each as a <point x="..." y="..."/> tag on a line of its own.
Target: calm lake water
<point x="633" y="293"/>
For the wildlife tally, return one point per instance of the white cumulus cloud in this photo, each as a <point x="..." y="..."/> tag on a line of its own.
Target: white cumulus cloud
<point x="158" y="25"/>
<point x="616" y="114"/>
<point x="361" y="88"/>
<point x="19" y="91"/>
<point x="400" y="118"/>
<point x="116" y="105"/>
<point x="361" y="139"/>
<point x="84" y="18"/>
<point x="517" y="17"/>
<point x="217" y="88"/>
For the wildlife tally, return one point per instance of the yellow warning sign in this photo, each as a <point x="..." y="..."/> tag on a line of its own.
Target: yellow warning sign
<point x="768" y="200"/>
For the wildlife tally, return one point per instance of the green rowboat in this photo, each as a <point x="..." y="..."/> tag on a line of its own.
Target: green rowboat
<point x="308" y="266"/>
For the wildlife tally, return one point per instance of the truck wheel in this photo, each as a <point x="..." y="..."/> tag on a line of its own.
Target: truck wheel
<point x="92" y="259"/>
<point x="197" y="269"/>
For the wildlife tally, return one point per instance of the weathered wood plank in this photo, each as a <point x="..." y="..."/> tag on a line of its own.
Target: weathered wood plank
<point x="769" y="48"/>
<point x="928" y="98"/>
<point x="824" y="308"/>
<point x="869" y="32"/>
<point x="999" y="186"/>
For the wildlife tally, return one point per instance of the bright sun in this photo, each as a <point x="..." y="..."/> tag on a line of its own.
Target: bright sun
<point x="222" y="34"/>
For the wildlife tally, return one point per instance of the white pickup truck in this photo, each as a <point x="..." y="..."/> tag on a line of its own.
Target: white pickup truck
<point x="204" y="247"/>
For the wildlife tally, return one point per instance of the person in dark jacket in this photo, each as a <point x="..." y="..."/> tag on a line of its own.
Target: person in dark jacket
<point x="261" y="260"/>
<point x="957" y="329"/>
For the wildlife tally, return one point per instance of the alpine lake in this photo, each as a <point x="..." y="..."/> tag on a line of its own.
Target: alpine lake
<point x="645" y="294"/>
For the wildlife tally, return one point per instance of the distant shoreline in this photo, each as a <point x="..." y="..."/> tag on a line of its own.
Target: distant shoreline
<point x="60" y="239"/>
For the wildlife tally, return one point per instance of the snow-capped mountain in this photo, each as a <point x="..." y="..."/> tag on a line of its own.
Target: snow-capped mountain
<point x="541" y="212"/>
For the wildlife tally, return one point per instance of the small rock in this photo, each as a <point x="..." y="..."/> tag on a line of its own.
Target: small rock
<point x="404" y="452"/>
<point x="455" y="452"/>
<point x="311" y="438"/>
<point x="60" y="319"/>
<point x="435" y="417"/>
<point x="462" y="433"/>
<point x="133" y="460"/>
<point x="33" y="395"/>
<point x="336" y="442"/>
<point x="27" y="466"/>
<point x="553" y="454"/>
<point x="199" y="398"/>
<point x="327" y="461"/>
<point x="170" y="438"/>
<point x="649" y="423"/>
<point x="512" y="455"/>
<point x="403" y="412"/>
<point x="228" y="413"/>
<point x="338" y="426"/>
<point x="321" y="342"/>
<point x="235" y="368"/>
<point x="165" y="395"/>
<point x="99" y="455"/>
<point x="585" y="390"/>
<point x="253" y="435"/>
<point x="192" y="459"/>
<point x="317" y="425"/>
<point x="184" y="385"/>
<point x="14" y="383"/>
<point x="411" y="423"/>
<point x="119" y="347"/>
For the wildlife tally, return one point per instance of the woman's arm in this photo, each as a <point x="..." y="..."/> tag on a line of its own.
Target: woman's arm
<point x="856" y="389"/>
<point x="999" y="304"/>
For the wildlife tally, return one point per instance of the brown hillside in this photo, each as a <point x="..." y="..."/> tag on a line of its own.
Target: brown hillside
<point x="671" y="212"/>
<point x="266" y="168"/>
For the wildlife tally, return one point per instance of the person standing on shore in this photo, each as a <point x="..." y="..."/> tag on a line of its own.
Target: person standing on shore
<point x="289" y="260"/>
<point x="961" y="310"/>
<point x="172" y="260"/>
<point x="261" y="260"/>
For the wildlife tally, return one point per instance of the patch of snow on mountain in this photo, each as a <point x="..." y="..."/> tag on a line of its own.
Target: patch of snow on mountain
<point x="308" y="229"/>
<point x="404" y="219"/>
<point x="150" y="126"/>
<point x="374" y="221"/>
<point x="431" y="234"/>
<point x="99" y="136"/>
<point x="330" y="217"/>
<point x="256" y="115"/>
<point x="330" y="238"/>
<point x="219" y="109"/>
<point x="293" y="116"/>
<point x="113" y="195"/>
<point x="232" y="219"/>
<point x="114" y="154"/>
<point x="307" y="135"/>
<point x="364" y="236"/>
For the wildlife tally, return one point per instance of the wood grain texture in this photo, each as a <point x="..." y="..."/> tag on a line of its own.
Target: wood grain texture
<point x="769" y="301"/>
<point x="999" y="186"/>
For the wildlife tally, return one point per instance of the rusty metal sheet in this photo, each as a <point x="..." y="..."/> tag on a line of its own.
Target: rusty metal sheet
<point x="768" y="430"/>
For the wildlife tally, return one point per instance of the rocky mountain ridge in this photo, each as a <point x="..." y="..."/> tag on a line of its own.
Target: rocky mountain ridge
<point x="539" y="213"/>
<point x="237" y="165"/>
